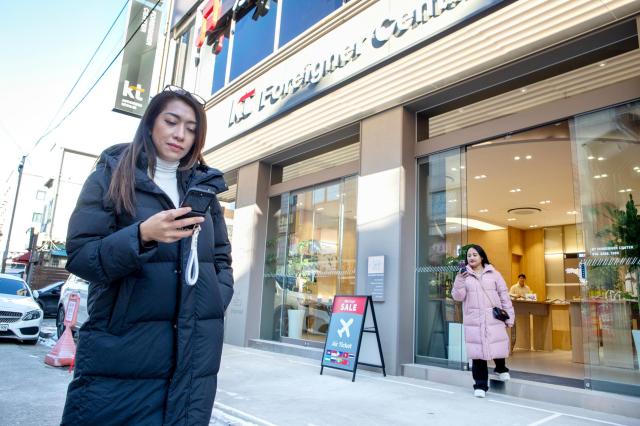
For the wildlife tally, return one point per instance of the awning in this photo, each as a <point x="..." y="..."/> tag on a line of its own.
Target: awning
<point x="23" y="258"/>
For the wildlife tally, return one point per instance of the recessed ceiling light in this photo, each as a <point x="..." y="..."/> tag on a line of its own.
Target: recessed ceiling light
<point x="480" y="177"/>
<point x="511" y="219"/>
<point x="319" y="209"/>
<point x="453" y="227"/>
<point x="572" y="212"/>
<point x="601" y="158"/>
<point x="453" y="169"/>
<point x="523" y="90"/>
<point x="591" y="157"/>
<point x="483" y="210"/>
<point x="604" y="175"/>
<point x="545" y="202"/>
<point x="461" y="167"/>
<point x="528" y="157"/>
<point x="516" y="158"/>
<point x="533" y="226"/>
<point x="452" y="201"/>
<point x="625" y="190"/>
<point x="602" y="64"/>
<point x="515" y="190"/>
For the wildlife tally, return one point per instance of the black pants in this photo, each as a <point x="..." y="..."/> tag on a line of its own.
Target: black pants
<point x="481" y="374"/>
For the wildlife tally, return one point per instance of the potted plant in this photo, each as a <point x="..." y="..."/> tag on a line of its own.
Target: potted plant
<point x="302" y="263"/>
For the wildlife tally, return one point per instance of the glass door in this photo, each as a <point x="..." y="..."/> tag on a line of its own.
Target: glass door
<point x="441" y="235"/>
<point x="607" y="145"/>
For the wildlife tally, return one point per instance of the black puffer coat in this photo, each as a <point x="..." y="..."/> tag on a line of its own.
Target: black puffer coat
<point x="150" y="352"/>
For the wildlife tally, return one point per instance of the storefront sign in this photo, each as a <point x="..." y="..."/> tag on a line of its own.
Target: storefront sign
<point x="344" y="337"/>
<point x="369" y="38"/>
<point x="138" y="58"/>
<point x="375" y="278"/>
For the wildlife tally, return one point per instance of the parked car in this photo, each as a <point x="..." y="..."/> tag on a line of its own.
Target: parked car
<point x="48" y="298"/>
<point x="20" y="315"/>
<point x="16" y="269"/>
<point x="77" y="285"/>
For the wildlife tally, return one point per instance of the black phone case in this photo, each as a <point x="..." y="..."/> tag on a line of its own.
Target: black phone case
<point x="199" y="200"/>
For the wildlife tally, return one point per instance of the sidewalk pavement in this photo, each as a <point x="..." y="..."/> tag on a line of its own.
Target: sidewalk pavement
<point x="262" y="388"/>
<point x="265" y="388"/>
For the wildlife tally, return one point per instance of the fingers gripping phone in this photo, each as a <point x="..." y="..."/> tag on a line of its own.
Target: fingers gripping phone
<point x="199" y="200"/>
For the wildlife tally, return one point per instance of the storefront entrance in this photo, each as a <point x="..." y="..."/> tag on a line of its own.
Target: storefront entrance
<point x="540" y="202"/>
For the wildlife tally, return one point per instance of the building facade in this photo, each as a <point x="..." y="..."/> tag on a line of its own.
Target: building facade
<point x="408" y="129"/>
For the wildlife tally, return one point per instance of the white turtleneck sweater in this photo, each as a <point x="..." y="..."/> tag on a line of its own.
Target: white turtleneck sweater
<point x="166" y="177"/>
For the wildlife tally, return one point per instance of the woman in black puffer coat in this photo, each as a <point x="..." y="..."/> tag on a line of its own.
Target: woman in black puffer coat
<point x="150" y="351"/>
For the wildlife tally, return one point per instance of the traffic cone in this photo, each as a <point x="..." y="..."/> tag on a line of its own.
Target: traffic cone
<point x="64" y="352"/>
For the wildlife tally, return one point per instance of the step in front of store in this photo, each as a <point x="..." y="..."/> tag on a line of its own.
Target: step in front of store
<point x="569" y="395"/>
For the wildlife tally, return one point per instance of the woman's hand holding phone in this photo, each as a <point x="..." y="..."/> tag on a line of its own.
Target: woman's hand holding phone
<point x="164" y="228"/>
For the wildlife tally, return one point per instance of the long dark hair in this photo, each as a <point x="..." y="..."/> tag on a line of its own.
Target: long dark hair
<point x="481" y="252"/>
<point x="122" y="187"/>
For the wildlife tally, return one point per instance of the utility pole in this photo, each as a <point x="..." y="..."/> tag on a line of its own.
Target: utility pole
<point x="13" y="213"/>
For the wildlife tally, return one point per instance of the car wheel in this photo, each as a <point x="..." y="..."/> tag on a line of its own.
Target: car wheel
<point x="60" y="321"/>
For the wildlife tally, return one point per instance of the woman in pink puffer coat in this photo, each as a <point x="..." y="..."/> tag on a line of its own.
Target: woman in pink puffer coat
<point x="480" y="288"/>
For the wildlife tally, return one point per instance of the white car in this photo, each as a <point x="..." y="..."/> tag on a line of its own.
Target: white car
<point x="20" y="315"/>
<point x="79" y="286"/>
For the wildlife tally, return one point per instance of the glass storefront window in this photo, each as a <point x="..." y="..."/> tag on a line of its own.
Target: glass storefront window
<point x="298" y="15"/>
<point x="608" y="154"/>
<point x="440" y="240"/>
<point x="183" y="53"/>
<point x="220" y="66"/>
<point x="253" y="40"/>
<point x="310" y="257"/>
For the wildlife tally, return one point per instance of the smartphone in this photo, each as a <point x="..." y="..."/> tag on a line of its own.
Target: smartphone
<point x="199" y="200"/>
<point x="463" y="270"/>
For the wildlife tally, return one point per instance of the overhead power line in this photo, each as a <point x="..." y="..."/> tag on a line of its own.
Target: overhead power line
<point x="48" y="132"/>
<point x="113" y="24"/>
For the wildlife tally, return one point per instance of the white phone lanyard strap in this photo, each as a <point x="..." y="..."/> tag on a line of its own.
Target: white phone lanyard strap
<point x="193" y="268"/>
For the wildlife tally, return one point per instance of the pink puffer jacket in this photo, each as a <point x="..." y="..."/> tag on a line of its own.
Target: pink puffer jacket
<point x="485" y="336"/>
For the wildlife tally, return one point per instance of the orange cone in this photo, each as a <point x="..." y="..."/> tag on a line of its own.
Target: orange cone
<point x="64" y="352"/>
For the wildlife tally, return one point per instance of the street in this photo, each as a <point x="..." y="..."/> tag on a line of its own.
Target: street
<point x="264" y="388"/>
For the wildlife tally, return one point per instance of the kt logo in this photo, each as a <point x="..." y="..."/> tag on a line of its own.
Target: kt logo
<point x="132" y="92"/>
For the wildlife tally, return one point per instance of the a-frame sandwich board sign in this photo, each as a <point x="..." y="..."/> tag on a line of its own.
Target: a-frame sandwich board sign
<point x="344" y="337"/>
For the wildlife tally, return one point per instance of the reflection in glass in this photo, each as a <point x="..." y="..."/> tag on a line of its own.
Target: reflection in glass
<point x="310" y="257"/>
<point x="252" y="40"/>
<point x="220" y="66"/>
<point x="298" y="15"/>
<point x="440" y="239"/>
<point x="608" y="154"/>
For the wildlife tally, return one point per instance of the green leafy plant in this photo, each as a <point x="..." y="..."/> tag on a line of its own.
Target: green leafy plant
<point x="302" y="263"/>
<point x="624" y="232"/>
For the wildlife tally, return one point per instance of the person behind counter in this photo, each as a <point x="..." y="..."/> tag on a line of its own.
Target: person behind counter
<point x="519" y="289"/>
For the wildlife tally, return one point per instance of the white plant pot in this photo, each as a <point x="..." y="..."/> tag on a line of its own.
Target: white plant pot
<point x="296" y="320"/>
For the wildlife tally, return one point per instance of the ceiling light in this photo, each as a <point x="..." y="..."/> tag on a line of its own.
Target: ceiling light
<point x="572" y="212"/>
<point x="511" y="219"/>
<point x="319" y="209"/>
<point x="591" y="157"/>
<point x="483" y="210"/>
<point x="461" y="167"/>
<point x="636" y="168"/>
<point x="533" y="226"/>
<point x="602" y="64"/>
<point x="453" y="227"/>
<point x="601" y="158"/>
<point x="523" y="90"/>
<point x="452" y="201"/>
<point x="473" y="223"/>
<point x="625" y="190"/>
<point x="480" y="177"/>
<point x="545" y="202"/>
<point x="515" y="190"/>
<point x="516" y="158"/>
<point x="528" y="157"/>
<point x="453" y="169"/>
<point x="604" y="175"/>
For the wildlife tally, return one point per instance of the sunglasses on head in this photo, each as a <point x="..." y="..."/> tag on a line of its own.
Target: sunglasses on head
<point x="180" y="91"/>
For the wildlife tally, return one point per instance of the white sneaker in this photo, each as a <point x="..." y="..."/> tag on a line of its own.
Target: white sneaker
<point x="505" y="377"/>
<point x="479" y="393"/>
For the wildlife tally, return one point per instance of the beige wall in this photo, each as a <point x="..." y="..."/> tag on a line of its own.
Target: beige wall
<point x="496" y="244"/>
<point x="533" y="261"/>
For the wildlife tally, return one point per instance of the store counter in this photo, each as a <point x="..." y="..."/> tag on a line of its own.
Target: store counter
<point x="541" y="326"/>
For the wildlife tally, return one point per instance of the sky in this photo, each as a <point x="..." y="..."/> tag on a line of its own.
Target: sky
<point x="46" y="45"/>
